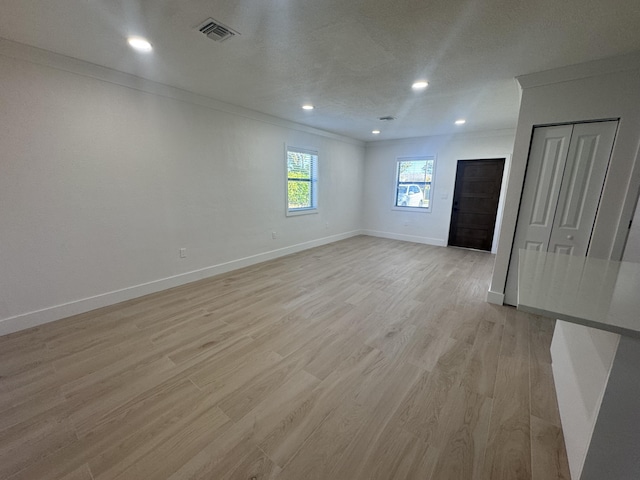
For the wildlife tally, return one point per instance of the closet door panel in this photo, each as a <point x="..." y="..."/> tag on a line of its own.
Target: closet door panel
<point x="579" y="197"/>
<point x="545" y="168"/>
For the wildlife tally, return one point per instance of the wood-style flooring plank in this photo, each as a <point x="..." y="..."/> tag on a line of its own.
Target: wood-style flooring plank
<point x="544" y="403"/>
<point x="284" y="441"/>
<point x="465" y="438"/>
<point x="480" y="374"/>
<point x="372" y="439"/>
<point x="82" y="473"/>
<point x="165" y="448"/>
<point x="508" y="453"/>
<point x="549" y="459"/>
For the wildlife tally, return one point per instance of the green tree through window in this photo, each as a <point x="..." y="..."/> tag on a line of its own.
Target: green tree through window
<point x="302" y="180"/>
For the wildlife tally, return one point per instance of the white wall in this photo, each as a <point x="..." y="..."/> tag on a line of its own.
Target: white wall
<point x="582" y="360"/>
<point x="432" y="227"/>
<point x="102" y="183"/>
<point x="607" y="89"/>
<point x="632" y="247"/>
<point x="613" y="452"/>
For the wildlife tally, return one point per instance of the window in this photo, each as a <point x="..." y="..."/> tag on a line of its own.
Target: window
<point x="414" y="178"/>
<point x="302" y="181"/>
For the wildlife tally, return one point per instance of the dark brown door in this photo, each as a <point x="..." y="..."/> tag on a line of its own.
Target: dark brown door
<point x="475" y="203"/>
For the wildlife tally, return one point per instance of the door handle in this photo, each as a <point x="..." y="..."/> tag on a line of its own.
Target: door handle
<point x="569" y="237"/>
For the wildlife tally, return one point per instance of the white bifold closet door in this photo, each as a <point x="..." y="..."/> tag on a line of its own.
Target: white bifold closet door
<point x="565" y="175"/>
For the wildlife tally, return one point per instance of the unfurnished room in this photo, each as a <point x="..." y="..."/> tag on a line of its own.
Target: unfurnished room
<point x="296" y="240"/>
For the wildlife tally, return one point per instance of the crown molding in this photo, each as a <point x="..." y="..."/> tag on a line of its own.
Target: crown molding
<point x="443" y="137"/>
<point x="621" y="63"/>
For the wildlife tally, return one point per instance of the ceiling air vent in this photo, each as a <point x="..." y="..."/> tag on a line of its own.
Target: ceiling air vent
<point x="387" y="118"/>
<point x="216" y="31"/>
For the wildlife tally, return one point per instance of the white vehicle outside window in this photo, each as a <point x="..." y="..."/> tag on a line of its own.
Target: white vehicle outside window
<point x="414" y="183"/>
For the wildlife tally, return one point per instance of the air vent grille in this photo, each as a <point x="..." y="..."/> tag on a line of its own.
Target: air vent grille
<point x="216" y="31"/>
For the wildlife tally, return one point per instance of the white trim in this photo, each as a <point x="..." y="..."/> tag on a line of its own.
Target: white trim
<point x="38" y="56"/>
<point x="420" y="140"/>
<point x="301" y="211"/>
<point x="596" y="68"/>
<point x="406" y="238"/>
<point x="508" y="157"/>
<point x="50" y="314"/>
<point x="411" y="209"/>
<point x="496" y="298"/>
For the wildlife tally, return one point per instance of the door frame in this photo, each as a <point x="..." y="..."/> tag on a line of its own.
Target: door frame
<point x="522" y="189"/>
<point x="501" y="199"/>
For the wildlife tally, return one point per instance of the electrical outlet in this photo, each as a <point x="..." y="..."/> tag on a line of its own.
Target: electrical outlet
<point x="183" y="253"/>
<point x="274" y="235"/>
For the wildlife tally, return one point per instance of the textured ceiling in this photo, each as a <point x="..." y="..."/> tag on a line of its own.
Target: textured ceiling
<point x="355" y="60"/>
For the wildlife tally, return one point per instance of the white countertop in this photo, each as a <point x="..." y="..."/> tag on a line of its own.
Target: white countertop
<point x="597" y="293"/>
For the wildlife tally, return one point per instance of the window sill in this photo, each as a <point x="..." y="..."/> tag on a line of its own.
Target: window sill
<point x="304" y="211"/>
<point x="411" y="209"/>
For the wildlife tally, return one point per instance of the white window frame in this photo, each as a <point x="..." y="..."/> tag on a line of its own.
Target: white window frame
<point x="290" y="212"/>
<point x="396" y="179"/>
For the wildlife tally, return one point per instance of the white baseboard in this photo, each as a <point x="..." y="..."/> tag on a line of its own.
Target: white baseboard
<point x="495" y="297"/>
<point x="57" y="312"/>
<point x="406" y="238"/>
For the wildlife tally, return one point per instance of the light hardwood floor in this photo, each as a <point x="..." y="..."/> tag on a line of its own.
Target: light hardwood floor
<point x="364" y="359"/>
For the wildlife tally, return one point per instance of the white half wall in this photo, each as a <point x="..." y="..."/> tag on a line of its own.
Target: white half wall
<point x="380" y="219"/>
<point x="632" y="247"/>
<point x="104" y="177"/>
<point x="582" y="359"/>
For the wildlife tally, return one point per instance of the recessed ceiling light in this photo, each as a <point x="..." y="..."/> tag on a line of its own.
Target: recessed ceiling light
<point x="376" y="132"/>
<point x="307" y="107"/>
<point x="420" y="85"/>
<point x="140" y="44"/>
<point x="461" y="121"/>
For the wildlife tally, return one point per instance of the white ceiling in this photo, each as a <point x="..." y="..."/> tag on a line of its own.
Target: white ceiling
<point x="355" y="60"/>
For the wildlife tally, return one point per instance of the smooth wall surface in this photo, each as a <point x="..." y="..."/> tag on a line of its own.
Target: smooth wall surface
<point x="582" y="360"/>
<point x="607" y="89"/>
<point x="632" y="247"/>
<point x="613" y="452"/>
<point x="381" y="219"/>
<point x="102" y="184"/>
